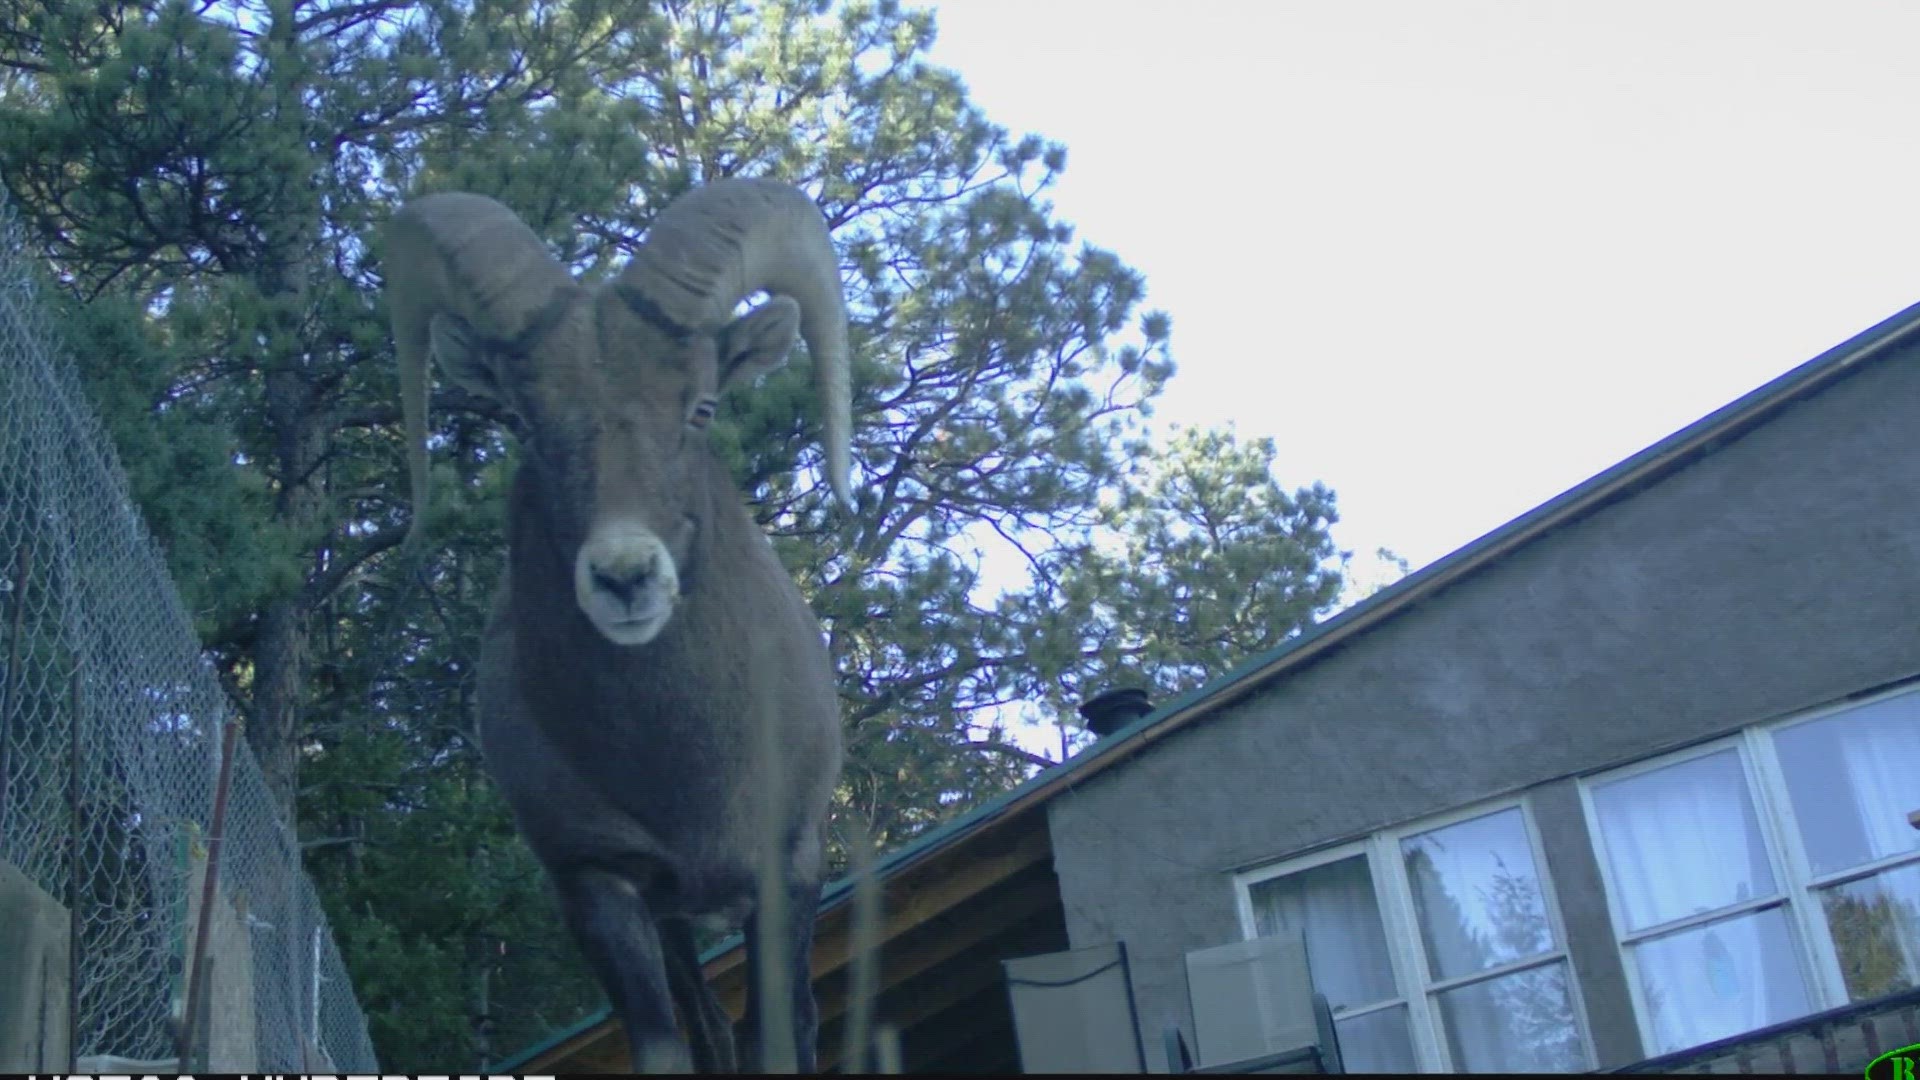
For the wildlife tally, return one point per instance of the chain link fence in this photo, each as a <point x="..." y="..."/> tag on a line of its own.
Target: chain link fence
<point x="111" y="733"/>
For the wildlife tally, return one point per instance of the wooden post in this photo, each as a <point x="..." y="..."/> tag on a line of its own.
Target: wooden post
<point x="209" y="893"/>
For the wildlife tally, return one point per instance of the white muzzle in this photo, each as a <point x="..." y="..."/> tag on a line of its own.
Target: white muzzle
<point x="625" y="582"/>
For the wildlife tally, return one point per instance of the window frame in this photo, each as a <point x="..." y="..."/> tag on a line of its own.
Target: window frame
<point x="1795" y="884"/>
<point x="1406" y="948"/>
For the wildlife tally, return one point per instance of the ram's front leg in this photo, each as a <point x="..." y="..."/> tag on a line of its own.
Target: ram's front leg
<point x="621" y="940"/>
<point x="796" y="965"/>
<point x="709" y="1028"/>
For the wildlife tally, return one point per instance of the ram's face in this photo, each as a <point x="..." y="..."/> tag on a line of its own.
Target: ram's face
<point x="613" y="421"/>
<point x="611" y="389"/>
<point x="613" y="450"/>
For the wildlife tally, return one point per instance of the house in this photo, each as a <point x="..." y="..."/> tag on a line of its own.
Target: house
<point x="1624" y="784"/>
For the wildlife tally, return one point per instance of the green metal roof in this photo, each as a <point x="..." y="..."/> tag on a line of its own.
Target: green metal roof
<point x="1687" y="444"/>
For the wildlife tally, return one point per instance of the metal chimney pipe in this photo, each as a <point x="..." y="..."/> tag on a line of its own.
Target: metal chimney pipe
<point x="1108" y="712"/>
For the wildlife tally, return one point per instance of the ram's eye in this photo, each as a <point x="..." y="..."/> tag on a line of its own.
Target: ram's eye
<point x="703" y="411"/>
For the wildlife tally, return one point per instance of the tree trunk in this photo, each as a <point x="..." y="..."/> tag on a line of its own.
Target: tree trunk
<point x="273" y="730"/>
<point x="286" y="625"/>
<point x="296" y="426"/>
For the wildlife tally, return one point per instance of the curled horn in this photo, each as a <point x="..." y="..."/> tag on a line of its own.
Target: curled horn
<point x="470" y="257"/>
<point x="715" y="245"/>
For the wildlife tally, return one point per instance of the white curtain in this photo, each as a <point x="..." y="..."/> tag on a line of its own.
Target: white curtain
<point x="1683" y="841"/>
<point x="1872" y="756"/>
<point x="1722" y="979"/>
<point x="1880" y="747"/>
<point x="1335" y="907"/>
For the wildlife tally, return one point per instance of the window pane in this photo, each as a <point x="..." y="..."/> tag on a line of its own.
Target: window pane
<point x="1521" y="1022"/>
<point x="1477" y="894"/>
<point x="1682" y="840"/>
<point x="1377" y="1042"/>
<point x="1718" y="980"/>
<point x="1853" y="779"/>
<point x="1346" y="944"/>
<point x="1876" y="930"/>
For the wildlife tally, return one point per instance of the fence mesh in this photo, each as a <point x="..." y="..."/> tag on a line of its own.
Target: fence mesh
<point x="111" y="724"/>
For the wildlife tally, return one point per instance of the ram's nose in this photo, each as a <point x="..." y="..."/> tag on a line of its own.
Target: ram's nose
<point x="623" y="578"/>
<point x="625" y="581"/>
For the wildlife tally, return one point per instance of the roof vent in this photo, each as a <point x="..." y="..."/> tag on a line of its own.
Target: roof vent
<point x="1108" y="712"/>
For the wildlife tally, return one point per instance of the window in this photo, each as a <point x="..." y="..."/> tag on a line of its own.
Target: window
<point x="1494" y="967"/>
<point x="1437" y="947"/>
<point x="1851" y="780"/>
<point x="1766" y="876"/>
<point x="1701" y="913"/>
<point x="1347" y="951"/>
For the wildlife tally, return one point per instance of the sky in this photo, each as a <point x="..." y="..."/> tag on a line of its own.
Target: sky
<point x="1457" y="257"/>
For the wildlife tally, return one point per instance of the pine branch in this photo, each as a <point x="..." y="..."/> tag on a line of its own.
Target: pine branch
<point x="322" y="586"/>
<point x="1012" y="751"/>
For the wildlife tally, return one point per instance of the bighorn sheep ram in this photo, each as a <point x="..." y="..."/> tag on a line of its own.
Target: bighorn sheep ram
<point x="644" y="625"/>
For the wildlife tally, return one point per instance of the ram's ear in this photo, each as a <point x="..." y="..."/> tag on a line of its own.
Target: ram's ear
<point x="463" y="358"/>
<point x="759" y="341"/>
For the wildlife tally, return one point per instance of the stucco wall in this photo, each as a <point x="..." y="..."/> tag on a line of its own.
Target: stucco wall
<point x="1778" y="572"/>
